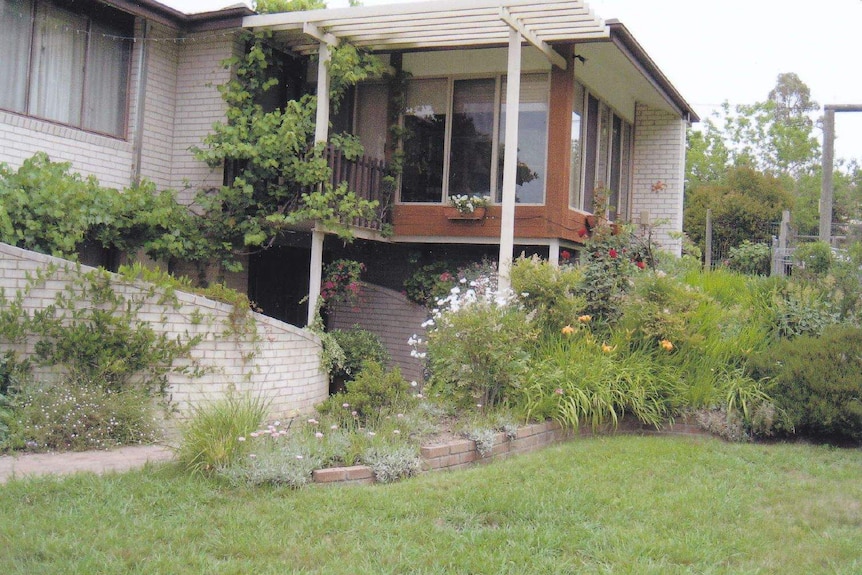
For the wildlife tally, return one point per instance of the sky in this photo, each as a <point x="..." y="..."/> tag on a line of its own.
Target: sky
<point x="733" y="50"/>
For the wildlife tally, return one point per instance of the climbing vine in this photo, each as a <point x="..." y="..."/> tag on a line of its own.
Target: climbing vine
<point x="281" y="176"/>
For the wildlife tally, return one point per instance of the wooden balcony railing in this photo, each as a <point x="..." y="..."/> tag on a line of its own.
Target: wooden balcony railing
<point x="365" y="178"/>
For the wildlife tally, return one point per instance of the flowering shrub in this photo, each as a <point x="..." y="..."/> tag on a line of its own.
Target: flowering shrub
<point x="548" y="292"/>
<point x="341" y="283"/>
<point x="468" y="204"/>
<point x="478" y="344"/>
<point x="75" y="415"/>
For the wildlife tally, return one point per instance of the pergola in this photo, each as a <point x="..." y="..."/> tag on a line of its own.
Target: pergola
<point x="432" y="25"/>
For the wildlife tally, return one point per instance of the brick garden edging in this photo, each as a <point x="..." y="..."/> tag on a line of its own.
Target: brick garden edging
<point x="462" y="453"/>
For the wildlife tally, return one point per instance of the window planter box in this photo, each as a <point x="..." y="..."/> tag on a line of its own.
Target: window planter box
<point x="453" y="214"/>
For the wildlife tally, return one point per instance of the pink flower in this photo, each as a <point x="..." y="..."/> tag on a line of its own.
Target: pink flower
<point x="559" y="391"/>
<point x="318" y="435"/>
<point x="612" y="253"/>
<point x="313" y="421"/>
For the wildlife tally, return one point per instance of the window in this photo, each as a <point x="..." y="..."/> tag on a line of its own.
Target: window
<point x="424" y="141"/>
<point x="575" y="172"/>
<point x="532" y="139"/>
<point x="65" y="66"/>
<point x="455" y="134"/>
<point x="602" y="147"/>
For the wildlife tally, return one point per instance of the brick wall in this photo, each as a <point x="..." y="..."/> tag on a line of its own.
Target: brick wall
<point x="285" y="360"/>
<point x="393" y="318"/>
<point x="659" y="156"/>
<point x="199" y="105"/>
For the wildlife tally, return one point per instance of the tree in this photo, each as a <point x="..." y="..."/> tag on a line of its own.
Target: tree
<point x="744" y="204"/>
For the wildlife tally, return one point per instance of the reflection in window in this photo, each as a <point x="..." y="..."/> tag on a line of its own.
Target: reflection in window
<point x="575" y="184"/>
<point x="532" y="139"/>
<point x="472" y="137"/>
<point x="424" y="141"/>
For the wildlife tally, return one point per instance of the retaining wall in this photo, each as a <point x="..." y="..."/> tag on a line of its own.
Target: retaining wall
<point x="265" y="357"/>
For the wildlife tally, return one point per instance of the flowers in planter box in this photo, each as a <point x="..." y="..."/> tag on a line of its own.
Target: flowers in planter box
<point x="468" y="204"/>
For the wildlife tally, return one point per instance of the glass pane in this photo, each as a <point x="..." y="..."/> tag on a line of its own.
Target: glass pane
<point x="590" y="149"/>
<point x="616" y="166"/>
<point x="532" y="139"/>
<point x="424" y="141"/>
<point x="472" y="137"/>
<point x="625" y="171"/>
<point x="106" y="81"/>
<point x="371" y="118"/>
<point x="15" y="31"/>
<point x="57" y="75"/>
<point x="577" y="147"/>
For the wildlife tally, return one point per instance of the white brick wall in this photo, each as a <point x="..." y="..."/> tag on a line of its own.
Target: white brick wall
<point x="285" y="367"/>
<point x="659" y="156"/>
<point x="199" y="105"/>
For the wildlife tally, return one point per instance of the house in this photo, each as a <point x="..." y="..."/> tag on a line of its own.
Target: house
<point x="588" y="111"/>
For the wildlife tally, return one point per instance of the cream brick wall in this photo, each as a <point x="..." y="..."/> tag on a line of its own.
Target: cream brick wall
<point x="199" y="105"/>
<point x="285" y="364"/>
<point x="659" y="156"/>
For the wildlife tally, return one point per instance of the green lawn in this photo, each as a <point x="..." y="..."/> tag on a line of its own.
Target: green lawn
<point x="608" y="505"/>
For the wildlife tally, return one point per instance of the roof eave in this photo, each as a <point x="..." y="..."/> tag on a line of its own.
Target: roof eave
<point x="157" y="12"/>
<point x="622" y="37"/>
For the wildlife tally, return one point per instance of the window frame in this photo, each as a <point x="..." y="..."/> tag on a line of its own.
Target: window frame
<point x="105" y="17"/>
<point x="498" y="79"/>
<point x="591" y="129"/>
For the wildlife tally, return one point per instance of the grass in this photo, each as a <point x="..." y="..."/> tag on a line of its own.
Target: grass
<point x="607" y="505"/>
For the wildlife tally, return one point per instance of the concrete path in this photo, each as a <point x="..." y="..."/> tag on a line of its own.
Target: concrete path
<point x="121" y="459"/>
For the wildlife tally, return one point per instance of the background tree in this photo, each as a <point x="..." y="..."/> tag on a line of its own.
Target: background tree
<point x="778" y="138"/>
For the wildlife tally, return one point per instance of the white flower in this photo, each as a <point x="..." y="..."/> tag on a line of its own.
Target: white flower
<point x="299" y="457"/>
<point x="318" y="435"/>
<point x="240" y="438"/>
<point x="413" y="384"/>
<point x="371" y="434"/>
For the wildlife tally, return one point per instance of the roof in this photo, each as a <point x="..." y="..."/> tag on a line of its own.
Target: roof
<point x="228" y="17"/>
<point x="436" y="24"/>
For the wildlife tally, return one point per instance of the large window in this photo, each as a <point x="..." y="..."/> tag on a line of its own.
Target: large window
<point x="455" y="133"/>
<point x="63" y="66"/>
<point x="601" y="156"/>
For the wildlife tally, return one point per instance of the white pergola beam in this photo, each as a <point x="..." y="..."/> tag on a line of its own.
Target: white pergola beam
<point x="555" y="58"/>
<point x="315" y="32"/>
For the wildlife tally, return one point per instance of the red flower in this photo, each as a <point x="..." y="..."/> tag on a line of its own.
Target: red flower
<point x="565" y="254"/>
<point x="612" y="253"/>
<point x="583" y="232"/>
<point x="640" y="265"/>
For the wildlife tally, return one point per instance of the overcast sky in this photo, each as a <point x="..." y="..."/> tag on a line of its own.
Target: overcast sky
<point x="733" y="50"/>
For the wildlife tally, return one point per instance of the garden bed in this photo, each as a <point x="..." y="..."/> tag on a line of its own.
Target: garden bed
<point x="455" y="453"/>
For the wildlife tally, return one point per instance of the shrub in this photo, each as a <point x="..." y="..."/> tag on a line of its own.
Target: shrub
<point x="548" y="292"/>
<point x="372" y="391"/>
<point x="817" y="382"/>
<point x="429" y="283"/>
<point x="75" y="415"/>
<point x="392" y="462"/>
<point x="478" y="346"/>
<point x="813" y="259"/>
<point x="606" y="272"/>
<point x="751" y="258"/>
<point x="800" y="308"/>
<point x="211" y="438"/>
<point x="358" y="346"/>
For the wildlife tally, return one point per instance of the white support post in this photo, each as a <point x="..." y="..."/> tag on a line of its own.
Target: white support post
<point x="510" y="161"/>
<point x="321" y="134"/>
<point x="321" y="128"/>
<point x="315" y="275"/>
<point x="554" y="253"/>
